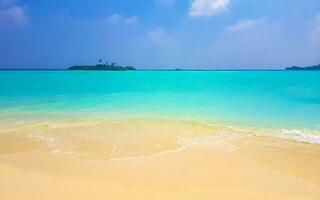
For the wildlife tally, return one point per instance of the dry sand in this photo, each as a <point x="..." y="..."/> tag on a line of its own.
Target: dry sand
<point x="240" y="168"/>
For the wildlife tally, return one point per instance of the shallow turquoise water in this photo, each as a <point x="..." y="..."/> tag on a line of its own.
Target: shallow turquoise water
<point x="279" y="99"/>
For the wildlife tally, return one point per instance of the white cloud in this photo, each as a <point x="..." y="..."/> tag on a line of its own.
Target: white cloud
<point x="246" y="24"/>
<point x="11" y="13"/>
<point x="208" y="7"/>
<point x="115" y="18"/>
<point x="158" y="35"/>
<point x="15" y="14"/>
<point x="131" y="20"/>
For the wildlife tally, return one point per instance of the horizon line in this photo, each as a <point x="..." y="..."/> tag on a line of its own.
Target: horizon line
<point x="144" y="69"/>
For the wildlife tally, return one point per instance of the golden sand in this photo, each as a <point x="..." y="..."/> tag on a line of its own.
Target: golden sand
<point x="177" y="161"/>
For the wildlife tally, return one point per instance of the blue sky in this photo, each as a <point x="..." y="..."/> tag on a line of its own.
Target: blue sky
<point x="215" y="34"/>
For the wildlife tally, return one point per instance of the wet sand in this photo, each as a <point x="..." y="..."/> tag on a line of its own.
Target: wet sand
<point x="246" y="167"/>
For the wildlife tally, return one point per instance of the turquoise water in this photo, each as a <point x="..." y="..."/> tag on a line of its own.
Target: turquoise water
<point x="280" y="99"/>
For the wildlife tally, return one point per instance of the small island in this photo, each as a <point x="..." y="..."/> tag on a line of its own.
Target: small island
<point x="315" y="67"/>
<point x="102" y="67"/>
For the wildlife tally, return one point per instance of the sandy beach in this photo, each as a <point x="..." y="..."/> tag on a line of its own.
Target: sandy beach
<point x="242" y="167"/>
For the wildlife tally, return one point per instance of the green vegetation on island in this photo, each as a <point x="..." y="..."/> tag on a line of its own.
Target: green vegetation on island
<point x="103" y="67"/>
<point x="315" y="67"/>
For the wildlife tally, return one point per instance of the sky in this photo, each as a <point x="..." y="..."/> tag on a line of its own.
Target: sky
<point x="160" y="34"/>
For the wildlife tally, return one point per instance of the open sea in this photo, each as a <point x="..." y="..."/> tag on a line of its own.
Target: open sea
<point x="283" y="104"/>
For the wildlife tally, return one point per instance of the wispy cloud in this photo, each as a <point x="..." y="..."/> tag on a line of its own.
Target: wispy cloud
<point x="131" y="20"/>
<point x="158" y="35"/>
<point x="11" y="13"/>
<point x="246" y="24"/>
<point x="208" y="7"/>
<point x="116" y="18"/>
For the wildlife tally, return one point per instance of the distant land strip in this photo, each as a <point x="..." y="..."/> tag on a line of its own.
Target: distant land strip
<point x="310" y="68"/>
<point x="102" y="67"/>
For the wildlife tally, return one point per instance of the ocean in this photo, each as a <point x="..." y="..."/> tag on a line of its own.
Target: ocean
<point x="283" y="104"/>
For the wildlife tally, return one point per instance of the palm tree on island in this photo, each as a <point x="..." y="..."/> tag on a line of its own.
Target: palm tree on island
<point x="103" y="67"/>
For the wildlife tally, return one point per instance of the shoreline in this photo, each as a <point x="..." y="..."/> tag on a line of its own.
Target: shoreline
<point x="152" y="136"/>
<point x="255" y="170"/>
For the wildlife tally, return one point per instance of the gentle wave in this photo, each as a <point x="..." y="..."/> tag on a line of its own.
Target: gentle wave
<point x="114" y="139"/>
